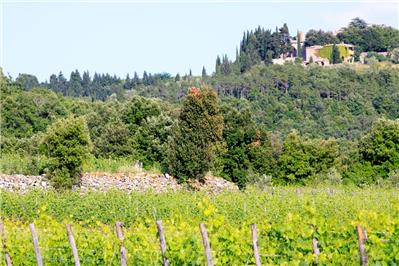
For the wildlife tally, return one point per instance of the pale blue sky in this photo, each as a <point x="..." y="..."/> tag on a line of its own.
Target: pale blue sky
<point x="48" y="36"/>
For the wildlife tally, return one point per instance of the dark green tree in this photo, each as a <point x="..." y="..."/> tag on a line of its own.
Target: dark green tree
<point x="199" y="128"/>
<point x="203" y="72"/>
<point x="62" y="84"/>
<point x="75" y="84"/>
<point x="319" y="37"/>
<point x="67" y="143"/>
<point x="380" y="146"/>
<point x="128" y="83"/>
<point x="303" y="158"/>
<point x="145" y="78"/>
<point x="378" y="154"/>
<point x="239" y="135"/>
<point x="86" y="83"/>
<point x="358" y="23"/>
<point x="217" y="66"/>
<point x="335" y="55"/>
<point x="136" y="79"/>
<point x="53" y="84"/>
<point x="27" y="81"/>
<point x="299" y="47"/>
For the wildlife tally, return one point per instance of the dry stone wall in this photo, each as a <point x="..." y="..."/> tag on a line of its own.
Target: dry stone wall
<point x="126" y="182"/>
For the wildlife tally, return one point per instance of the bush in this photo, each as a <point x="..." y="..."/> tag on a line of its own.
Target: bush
<point x="67" y="144"/>
<point x="303" y="158"/>
<point x="380" y="146"/>
<point x="378" y="154"/>
<point x="199" y="128"/>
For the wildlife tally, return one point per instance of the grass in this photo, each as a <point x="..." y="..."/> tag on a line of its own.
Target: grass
<point x="326" y="51"/>
<point x="35" y="165"/>
<point x="20" y="164"/>
<point x="255" y="204"/>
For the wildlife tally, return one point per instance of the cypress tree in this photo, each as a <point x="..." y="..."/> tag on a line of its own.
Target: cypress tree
<point x="136" y="80"/>
<point x="177" y="78"/>
<point x="145" y="78"/>
<point x="199" y="128"/>
<point x="86" y="84"/>
<point x="218" y="63"/>
<point x="203" y="72"/>
<point x="335" y="55"/>
<point x="62" y="84"/>
<point x="127" y="85"/>
<point x="75" y="84"/>
<point x="299" y="47"/>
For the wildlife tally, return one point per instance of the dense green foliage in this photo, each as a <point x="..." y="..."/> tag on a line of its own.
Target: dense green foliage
<point x="198" y="130"/>
<point x="67" y="144"/>
<point x="365" y="37"/>
<point x="319" y="37"/>
<point x="287" y="220"/>
<point x="260" y="108"/>
<point x="302" y="159"/>
<point x="377" y="38"/>
<point x="378" y="155"/>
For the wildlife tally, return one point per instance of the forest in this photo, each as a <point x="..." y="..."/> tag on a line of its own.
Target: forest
<point x="280" y="124"/>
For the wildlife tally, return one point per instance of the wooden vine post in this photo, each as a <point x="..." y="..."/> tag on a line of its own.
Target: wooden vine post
<point x="73" y="245"/>
<point x="255" y="244"/>
<point x="3" y="242"/>
<point x="361" y="239"/>
<point x="162" y="242"/>
<point x="36" y="245"/>
<point x="121" y="237"/>
<point x="315" y="248"/>
<point x="207" y="246"/>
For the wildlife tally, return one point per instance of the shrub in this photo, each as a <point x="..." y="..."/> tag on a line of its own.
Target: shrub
<point x="67" y="144"/>
<point x="378" y="154"/>
<point x="199" y="128"/>
<point x="380" y="146"/>
<point x="303" y="158"/>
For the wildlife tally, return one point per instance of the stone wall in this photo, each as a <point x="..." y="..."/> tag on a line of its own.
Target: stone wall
<point x="126" y="182"/>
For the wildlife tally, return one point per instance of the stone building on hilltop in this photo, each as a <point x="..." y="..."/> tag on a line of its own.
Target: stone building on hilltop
<point x="319" y="54"/>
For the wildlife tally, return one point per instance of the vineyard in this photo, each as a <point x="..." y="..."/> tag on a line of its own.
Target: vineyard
<point x="289" y="221"/>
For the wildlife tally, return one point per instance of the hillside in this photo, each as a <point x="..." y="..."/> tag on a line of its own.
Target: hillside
<point x="262" y="106"/>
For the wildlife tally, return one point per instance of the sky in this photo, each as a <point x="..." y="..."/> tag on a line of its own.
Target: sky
<point x="119" y="37"/>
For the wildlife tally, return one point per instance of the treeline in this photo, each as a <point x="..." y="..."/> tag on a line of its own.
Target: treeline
<point x="338" y="102"/>
<point x="247" y="139"/>
<point x="98" y="87"/>
<point x="256" y="46"/>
